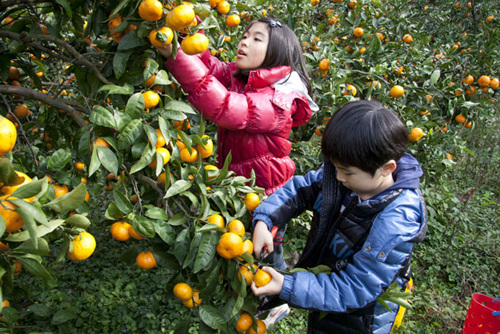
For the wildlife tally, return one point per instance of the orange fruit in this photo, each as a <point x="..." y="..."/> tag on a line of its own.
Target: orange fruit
<point x="209" y="168"/>
<point x="194" y="44"/>
<point x="166" y="36"/>
<point x="350" y="90"/>
<point x="150" y="81"/>
<point x="380" y="35"/>
<point x="261" y="325"/>
<point x="352" y="4"/>
<point x="244" y="322"/>
<point x="460" y="118"/>
<point x="14" y="73"/>
<point x="120" y="231"/>
<point x="223" y="7"/>
<point x="261" y="278"/>
<point x="324" y="64"/>
<point x="471" y="90"/>
<point x="189" y="157"/>
<point x="8" y="135"/>
<point x="252" y="201"/>
<point x="146" y="260"/>
<point x="161" y="140"/>
<point x="151" y="99"/>
<point x="87" y="196"/>
<point x="180" y="17"/>
<point x="8" y="190"/>
<point x="233" y="20"/>
<point x="101" y="142"/>
<point x="397" y="91"/>
<point x="408" y="38"/>
<point x="21" y="111"/>
<point x="230" y="245"/>
<point x="468" y="124"/>
<point x="83" y="246"/>
<point x="18" y="267"/>
<point x="183" y="291"/>
<point x="468" y="80"/>
<point x="79" y="166"/>
<point x="483" y="81"/>
<point x="182" y="125"/>
<point x="5" y="303"/>
<point x="247" y="247"/>
<point x="415" y="135"/>
<point x="13" y="220"/>
<point x="358" y="32"/>
<point x="194" y="301"/>
<point x="61" y="189"/>
<point x="4" y="247"/>
<point x="151" y="10"/>
<point x="449" y="156"/>
<point x="132" y="232"/>
<point x="494" y="83"/>
<point x="399" y="70"/>
<point x="247" y="273"/>
<point x="236" y="226"/>
<point x="207" y="149"/>
<point x="216" y="220"/>
<point x="214" y="3"/>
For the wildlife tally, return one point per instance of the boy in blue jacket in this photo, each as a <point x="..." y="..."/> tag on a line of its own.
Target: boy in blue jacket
<point x="367" y="214"/>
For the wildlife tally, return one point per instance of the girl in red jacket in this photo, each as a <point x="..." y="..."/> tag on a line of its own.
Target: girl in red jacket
<point x="254" y="101"/>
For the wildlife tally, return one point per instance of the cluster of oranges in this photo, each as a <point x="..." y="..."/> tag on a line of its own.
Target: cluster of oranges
<point x="246" y="323"/>
<point x="190" y="297"/>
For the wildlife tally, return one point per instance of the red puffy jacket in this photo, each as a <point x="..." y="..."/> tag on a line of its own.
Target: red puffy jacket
<point x="254" y="119"/>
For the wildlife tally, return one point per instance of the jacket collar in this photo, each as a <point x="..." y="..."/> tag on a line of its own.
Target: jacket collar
<point x="265" y="77"/>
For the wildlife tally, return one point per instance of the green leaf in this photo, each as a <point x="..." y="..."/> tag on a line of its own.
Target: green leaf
<point x="181" y="245"/>
<point x="40" y="247"/>
<point x="135" y="106"/>
<point x="108" y="159"/>
<point x="206" y="251"/>
<point x="154" y="212"/>
<point x="59" y="159"/>
<point x="146" y="158"/>
<point x="435" y="77"/>
<point x="69" y="201"/>
<point x="67" y="7"/>
<point x="113" y="212"/>
<point x="31" y="209"/>
<point x="144" y="226"/>
<point x="126" y="89"/>
<point x="130" y="41"/>
<point x="35" y="267"/>
<point x="29" y="222"/>
<point x="183" y="325"/>
<point x="41" y="230"/>
<point x="177" y="220"/>
<point x="130" y="134"/>
<point x="180" y="106"/>
<point x="165" y="231"/>
<point x="212" y="317"/>
<point x="8" y="176"/>
<point x="31" y="189"/>
<point x="177" y="188"/>
<point x="63" y="316"/>
<point x="95" y="163"/>
<point x="162" y="78"/>
<point x="78" y="220"/>
<point x="122" y="119"/>
<point x="195" y="242"/>
<point x="120" y="62"/>
<point x="122" y="202"/>
<point x="103" y="117"/>
<point x="40" y="310"/>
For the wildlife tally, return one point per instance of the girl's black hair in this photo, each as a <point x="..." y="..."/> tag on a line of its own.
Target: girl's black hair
<point x="284" y="49"/>
<point x="364" y="134"/>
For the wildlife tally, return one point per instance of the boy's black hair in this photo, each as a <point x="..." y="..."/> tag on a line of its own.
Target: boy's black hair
<point x="284" y="49"/>
<point x="364" y="134"/>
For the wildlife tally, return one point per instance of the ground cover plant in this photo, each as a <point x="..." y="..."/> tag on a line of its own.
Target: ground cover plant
<point x="109" y="196"/>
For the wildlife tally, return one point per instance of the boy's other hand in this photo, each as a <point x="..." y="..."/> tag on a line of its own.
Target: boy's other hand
<point x="165" y="51"/>
<point x="262" y="237"/>
<point x="273" y="287"/>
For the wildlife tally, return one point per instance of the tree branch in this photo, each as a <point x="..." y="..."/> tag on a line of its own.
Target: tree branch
<point x="27" y="39"/>
<point x="56" y="103"/>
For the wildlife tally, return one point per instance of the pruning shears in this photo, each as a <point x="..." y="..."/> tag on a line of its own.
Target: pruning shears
<point x="276" y="241"/>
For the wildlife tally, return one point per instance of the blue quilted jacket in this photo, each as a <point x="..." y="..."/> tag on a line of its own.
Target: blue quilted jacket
<point x="367" y="247"/>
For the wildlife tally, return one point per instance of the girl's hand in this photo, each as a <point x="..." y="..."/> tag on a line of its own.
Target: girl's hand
<point x="165" y="51"/>
<point x="273" y="287"/>
<point x="262" y="237"/>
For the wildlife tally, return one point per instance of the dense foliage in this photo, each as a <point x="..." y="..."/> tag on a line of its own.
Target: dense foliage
<point x="81" y="75"/>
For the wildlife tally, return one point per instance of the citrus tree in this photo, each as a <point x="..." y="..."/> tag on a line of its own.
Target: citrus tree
<point x="86" y="99"/>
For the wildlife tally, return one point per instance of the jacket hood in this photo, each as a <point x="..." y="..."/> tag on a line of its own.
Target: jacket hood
<point x="293" y="82"/>
<point x="407" y="173"/>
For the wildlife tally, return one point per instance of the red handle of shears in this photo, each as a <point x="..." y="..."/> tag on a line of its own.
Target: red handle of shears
<point x="274" y="230"/>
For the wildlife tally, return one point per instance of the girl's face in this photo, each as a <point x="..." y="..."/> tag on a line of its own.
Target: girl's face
<point x="253" y="47"/>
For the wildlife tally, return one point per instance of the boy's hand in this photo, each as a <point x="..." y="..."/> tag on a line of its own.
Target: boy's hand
<point x="273" y="287"/>
<point x="165" y="51"/>
<point x="262" y="237"/>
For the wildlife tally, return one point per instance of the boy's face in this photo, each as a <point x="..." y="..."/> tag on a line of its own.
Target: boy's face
<point x="362" y="183"/>
<point x="253" y="47"/>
